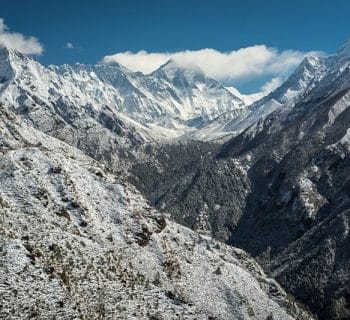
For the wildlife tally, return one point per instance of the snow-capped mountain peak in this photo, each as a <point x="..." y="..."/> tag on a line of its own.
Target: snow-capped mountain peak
<point x="310" y="70"/>
<point x="173" y="70"/>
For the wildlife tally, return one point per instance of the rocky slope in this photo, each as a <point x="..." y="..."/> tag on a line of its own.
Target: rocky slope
<point x="78" y="242"/>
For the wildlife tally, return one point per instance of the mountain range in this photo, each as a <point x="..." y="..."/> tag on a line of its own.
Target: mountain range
<point x="171" y="196"/>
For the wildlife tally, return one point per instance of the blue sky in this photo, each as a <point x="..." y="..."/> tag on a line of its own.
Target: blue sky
<point x="96" y="29"/>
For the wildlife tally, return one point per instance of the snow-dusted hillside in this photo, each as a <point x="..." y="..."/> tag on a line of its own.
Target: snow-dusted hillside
<point x="78" y="242"/>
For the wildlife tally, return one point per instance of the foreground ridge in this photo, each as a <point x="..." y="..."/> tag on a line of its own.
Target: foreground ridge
<point x="79" y="242"/>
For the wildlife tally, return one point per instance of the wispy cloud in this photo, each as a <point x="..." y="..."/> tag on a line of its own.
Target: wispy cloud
<point x="18" y="41"/>
<point x="254" y="61"/>
<point x="271" y="85"/>
<point x="73" y="46"/>
<point x="69" y="45"/>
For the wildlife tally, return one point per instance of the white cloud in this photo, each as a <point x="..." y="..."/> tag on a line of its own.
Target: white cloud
<point x="254" y="61"/>
<point x="69" y="45"/>
<point x="19" y="42"/>
<point x="271" y="85"/>
<point x="141" y="61"/>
